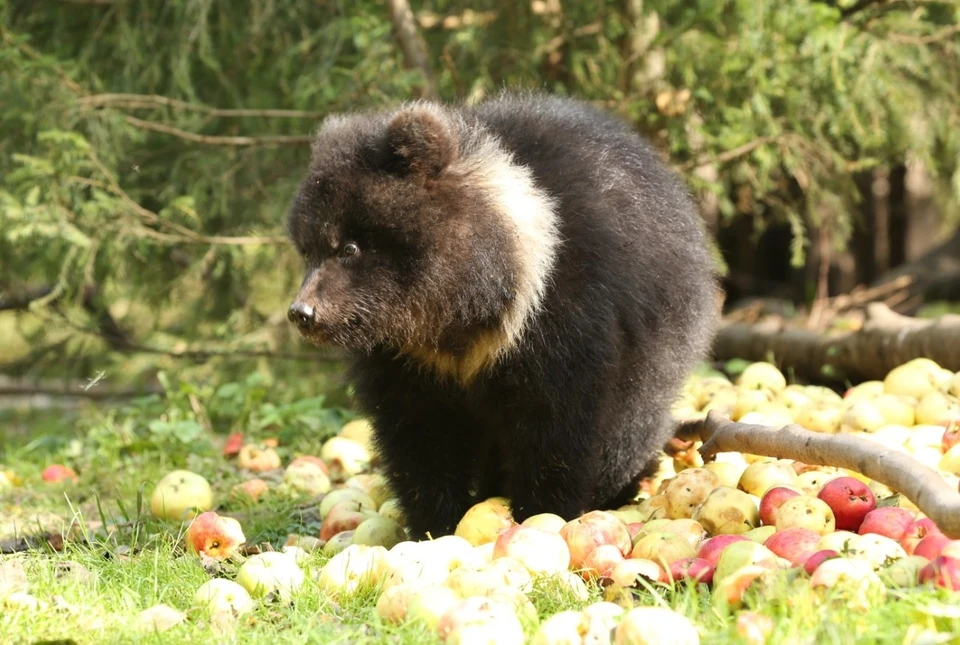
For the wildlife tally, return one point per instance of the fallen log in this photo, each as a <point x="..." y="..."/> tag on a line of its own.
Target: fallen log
<point x="886" y="340"/>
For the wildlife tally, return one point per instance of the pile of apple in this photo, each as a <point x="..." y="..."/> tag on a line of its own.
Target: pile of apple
<point x="731" y="524"/>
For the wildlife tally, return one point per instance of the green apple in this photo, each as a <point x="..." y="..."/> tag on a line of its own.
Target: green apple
<point x="180" y="495"/>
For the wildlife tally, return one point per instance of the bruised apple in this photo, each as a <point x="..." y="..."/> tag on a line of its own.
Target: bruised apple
<point x="807" y="512"/>
<point x="258" y="458"/>
<point x="271" y="572"/>
<point x="850" y="500"/>
<point x="213" y="535"/>
<point x="591" y="530"/>
<point x="727" y="510"/>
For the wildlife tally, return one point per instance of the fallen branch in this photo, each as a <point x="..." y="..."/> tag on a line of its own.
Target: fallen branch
<point x="885" y="341"/>
<point x="898" y="471"/>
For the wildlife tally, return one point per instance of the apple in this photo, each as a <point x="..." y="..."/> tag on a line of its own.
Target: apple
<point x="359" y="500"/>
<point x="920" y="528"/>
<point x="337" y="543"/>
<point x="808" y="512"/>
<point x="943" y="571"/>
<point x="627" y="572"/>
<point x="931" y="545"/>
<point x="728" y="592"/>
<point x="890" y="521"/>
<point x="270" y="572"/>
<point x="951" y="434"/>
<point x="762" y="375"/>
<point x="360" y="431"/>
<point x="878" y="550"/>
<point x="483" y="521"/>
<point x="258" y="458"/>
<point x="696" y="569"/>
<point x="896" y="410"/>
<point x="819" y="418"/>
<point x="56" y="473"/>
<point x="378" y="530"/>
<point x="760" y="534"/>
<point x="663" y="548"/>
<point x="863" y="416"/>
<point x="748" y="400"/>
<point x="356" y="566"/>
<point x="866" y="391"/>
<point x="213" y="535"/>
<point x="546" y="521"/>
<point x="761" y="476"/>
<point x="484" y="580"/>
<point x="936" y="408"/>
<point x="793" y="544"/>
<point x="158" y="618"/>
<point x="729" y="474"/>
<point x="250" y="490"/>
<point x="689" y="529"/>
<point x="904" y="572"/>
<point x="600" y="562"/>
<point x="771" y="502"/>
<point x="591" y="530"/>
<point x="753" y="627"/>
<point x="815" y="559"/>
<point x="636" y="530"/>
<point x="727" y="510"/>
<point x="233" y="444"/>
<point x="181" y="495"/>
<point x="687" y="490"/>
<point x="653" y="508"/>
<point x="392" y="509"/>
<point x="655" y="626"/>
<point x="711" y="548"/>
<point x="741" y="554"/>
<point x="308" y="543"/>
<point x="813" y="480"/>
<point x="391" y="606"/>
<point x="480" y="620"/>
<point x="541" y="552"/>
<point x="222" y="595"/>
<point x="563" y="627"/>
<point x="837" y="541"/>
<point x="344" y="516"/>
<point x="428" y="603"/>
<point x="950" y="462"/>
<point x="850" y="500"/>
<point x="833" y="570"/>
<point x="344" y="457"/>
<point x="914" y="378"/>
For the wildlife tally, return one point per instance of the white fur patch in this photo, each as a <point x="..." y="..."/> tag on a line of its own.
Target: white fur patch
<point x="528" y="211"/>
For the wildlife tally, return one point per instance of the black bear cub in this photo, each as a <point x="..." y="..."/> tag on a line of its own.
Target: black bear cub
<point x="521" y="286"/>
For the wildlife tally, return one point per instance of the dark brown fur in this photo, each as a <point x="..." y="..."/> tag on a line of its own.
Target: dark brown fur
<point x="561" y="414"/>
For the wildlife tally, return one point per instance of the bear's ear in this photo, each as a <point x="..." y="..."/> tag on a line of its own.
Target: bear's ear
<point x="422" y="143"/>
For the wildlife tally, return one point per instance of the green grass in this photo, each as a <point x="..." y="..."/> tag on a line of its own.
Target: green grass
<point x="121" y="561"/>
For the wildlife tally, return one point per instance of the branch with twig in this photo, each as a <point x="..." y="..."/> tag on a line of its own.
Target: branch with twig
<point x="217" y="140"/>
<point x="896" y="470"/>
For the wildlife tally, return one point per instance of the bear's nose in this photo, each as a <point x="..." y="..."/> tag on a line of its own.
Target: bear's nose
<point x="301" y="314"/>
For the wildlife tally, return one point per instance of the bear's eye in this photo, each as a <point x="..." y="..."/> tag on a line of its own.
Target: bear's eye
<point x="350" y="249"/>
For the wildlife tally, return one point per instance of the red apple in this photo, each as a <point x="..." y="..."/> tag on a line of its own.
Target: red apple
<point x="793" y="544"/>
<point x="233" y="444"/>
<point x="591" y="530"/>
<point x="214" y="535"/>
<point x="600" y="562"/>
<point x="344" y="516"/>
<point x="951" y="436"/>
<point x="889" y="521"/>
<point x="943" y="571"/>
<point x="771" y="501"/>
<point x="815" y="559"/>
<point x="931" y="546"/>
<point x="850" y="499"/>
<point x="57" y="473"/>
<point x="917" y="531"/>
<point x="696" y="569"/>
<point x="711" y="549"/>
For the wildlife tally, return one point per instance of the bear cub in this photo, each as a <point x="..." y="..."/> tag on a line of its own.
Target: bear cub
<point x="521" y="287"/>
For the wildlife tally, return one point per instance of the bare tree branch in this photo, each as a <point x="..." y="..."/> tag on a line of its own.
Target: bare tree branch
<point x="215" y="140"/>
<point x="153" y="101"/>
<point x="412" y="44"/>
